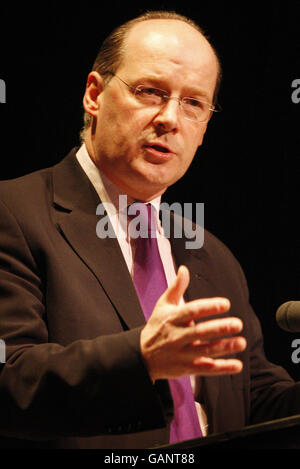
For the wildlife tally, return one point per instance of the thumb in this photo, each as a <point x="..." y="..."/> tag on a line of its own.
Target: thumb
<point x="179" y="286"/>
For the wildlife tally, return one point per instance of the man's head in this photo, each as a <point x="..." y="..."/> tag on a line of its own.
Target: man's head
<point x="124" y="134"/>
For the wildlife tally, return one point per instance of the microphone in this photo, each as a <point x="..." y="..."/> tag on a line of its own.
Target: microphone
<point x="288" y="316"/>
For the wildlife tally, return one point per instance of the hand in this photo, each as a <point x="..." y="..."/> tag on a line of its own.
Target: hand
<point x="173" y="345"/>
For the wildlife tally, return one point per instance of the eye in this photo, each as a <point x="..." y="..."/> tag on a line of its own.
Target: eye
<point x="193" y="102"/>
<point x="150" y="94"/>
<point x="149" y="91"/>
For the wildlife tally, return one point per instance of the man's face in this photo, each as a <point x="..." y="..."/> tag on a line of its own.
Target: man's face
<point x="164" y="54"/>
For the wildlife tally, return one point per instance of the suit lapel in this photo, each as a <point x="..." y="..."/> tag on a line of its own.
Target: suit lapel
<point x="75" y="202"/>
<point x="198" y="262"/>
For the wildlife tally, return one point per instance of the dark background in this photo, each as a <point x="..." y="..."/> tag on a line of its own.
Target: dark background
<point x="246" y="172"/>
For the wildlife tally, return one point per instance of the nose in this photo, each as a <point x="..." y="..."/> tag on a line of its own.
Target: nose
<point x="167" y="117"/>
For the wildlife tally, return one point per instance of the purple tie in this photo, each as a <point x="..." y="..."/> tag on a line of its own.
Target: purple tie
<point x="150" y="283"/>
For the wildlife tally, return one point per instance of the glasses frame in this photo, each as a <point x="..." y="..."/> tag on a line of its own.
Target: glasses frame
<point x="166" y="98"/>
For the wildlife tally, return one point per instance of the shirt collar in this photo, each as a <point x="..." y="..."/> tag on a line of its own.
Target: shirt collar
<point x="108" y="192"/>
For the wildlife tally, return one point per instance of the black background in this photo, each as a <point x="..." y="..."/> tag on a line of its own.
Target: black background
<point x="246" y="172"/>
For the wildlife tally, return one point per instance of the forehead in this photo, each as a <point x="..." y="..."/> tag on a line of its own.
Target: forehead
<point x="171" y="48"/>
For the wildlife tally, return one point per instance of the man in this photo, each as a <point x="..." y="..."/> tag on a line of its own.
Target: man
<point x="84" y="368"/>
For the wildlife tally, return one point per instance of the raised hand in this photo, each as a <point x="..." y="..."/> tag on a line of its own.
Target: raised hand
<point x="173" y="345"/>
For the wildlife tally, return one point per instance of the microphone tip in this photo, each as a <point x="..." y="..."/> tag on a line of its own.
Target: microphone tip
<point x="288" y="316"/>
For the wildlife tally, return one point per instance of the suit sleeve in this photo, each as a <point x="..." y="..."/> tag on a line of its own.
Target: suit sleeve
<point x="273" y="393"/>
<point x="47" y="390"/>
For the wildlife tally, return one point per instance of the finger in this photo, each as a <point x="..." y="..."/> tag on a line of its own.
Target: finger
<point x="174" y="293"/>
<point x="201" y="308"/>
<point x="218" y="348"/>
<point x="209" y="330"/>
<point x="209" y="366"/>
<point x="218" y="328"/>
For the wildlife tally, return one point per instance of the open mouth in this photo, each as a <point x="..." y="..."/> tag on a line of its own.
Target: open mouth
<point x="159" y="148"/>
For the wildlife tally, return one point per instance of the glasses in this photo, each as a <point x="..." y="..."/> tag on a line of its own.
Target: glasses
<point x="192" y="109"/>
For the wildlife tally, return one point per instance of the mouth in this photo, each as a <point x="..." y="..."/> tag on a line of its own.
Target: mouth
<point x="158" y="150"/>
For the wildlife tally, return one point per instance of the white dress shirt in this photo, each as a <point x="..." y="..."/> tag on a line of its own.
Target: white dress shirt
<point x="110" y="197"/>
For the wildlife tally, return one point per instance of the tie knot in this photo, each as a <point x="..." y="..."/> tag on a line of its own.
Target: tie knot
<point x="142" y="220"/>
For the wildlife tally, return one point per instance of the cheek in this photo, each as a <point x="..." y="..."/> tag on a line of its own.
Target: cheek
<point x="118" y="137"/>
<point x="193" y="136"/>
<point x="122" y="126"/>
<point x="201" y="134"/>
<point x="192" y="143"/>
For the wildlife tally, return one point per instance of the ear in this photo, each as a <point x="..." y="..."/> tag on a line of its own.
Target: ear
<point x="94" y="88"/>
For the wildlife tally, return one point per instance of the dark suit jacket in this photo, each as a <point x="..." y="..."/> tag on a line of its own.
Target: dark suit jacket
<point x="69" y="314"/>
